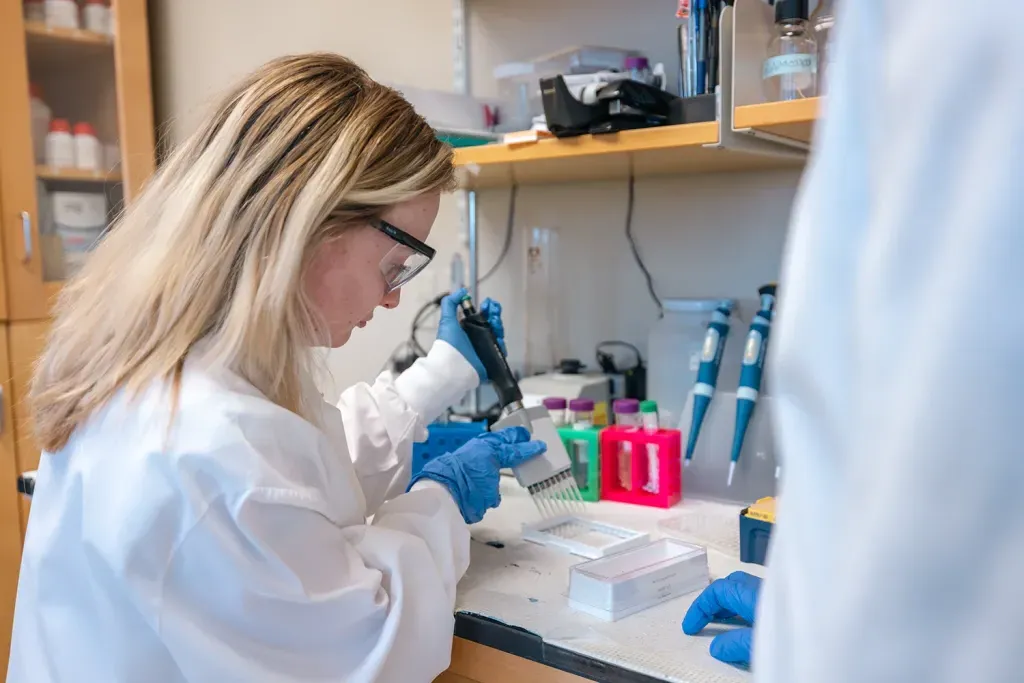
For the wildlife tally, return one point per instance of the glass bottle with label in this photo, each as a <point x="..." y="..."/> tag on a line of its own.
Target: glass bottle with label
<point x="822" y="21"/>
<point x="791" y="70"/>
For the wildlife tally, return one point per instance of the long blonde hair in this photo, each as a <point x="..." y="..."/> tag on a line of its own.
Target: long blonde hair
<point x="215" y="246"/>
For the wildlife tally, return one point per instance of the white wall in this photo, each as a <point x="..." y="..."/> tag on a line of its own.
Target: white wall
<point x="713" y="235"/>
<point x="200" y="47"/>
<point x="703" y="235"/>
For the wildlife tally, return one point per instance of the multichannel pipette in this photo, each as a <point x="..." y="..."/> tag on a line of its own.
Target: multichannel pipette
<point x="548" y="478"/>
<point x="754" y="352"/>
<point x="707" y="374"/>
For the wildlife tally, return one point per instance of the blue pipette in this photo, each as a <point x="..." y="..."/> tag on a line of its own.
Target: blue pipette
<point x="754" y="352"/>
<point x="707" y="374"/>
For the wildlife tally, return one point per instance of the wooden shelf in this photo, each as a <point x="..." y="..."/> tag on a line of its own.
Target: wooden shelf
<point x="668" y="150"/>
<point x="794" y="120"/>
<point x="40" y="33"/>
<point x="76" y="175"/>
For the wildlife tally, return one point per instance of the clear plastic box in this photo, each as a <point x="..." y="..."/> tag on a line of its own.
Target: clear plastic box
<point x="519" y="82"/>
<point x="616" y="586"/>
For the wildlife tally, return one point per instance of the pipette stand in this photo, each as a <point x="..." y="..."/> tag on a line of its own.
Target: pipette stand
<point x="670" y="481"/>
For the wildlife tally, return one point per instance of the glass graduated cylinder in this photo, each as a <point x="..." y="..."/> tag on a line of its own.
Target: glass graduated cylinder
<point x="541" y="297"/>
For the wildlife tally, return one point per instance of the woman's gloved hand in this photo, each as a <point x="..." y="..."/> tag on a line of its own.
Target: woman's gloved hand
<point x="471" y="473"/>
<point x="450" y="331"/>
<point x="733" y="596"/>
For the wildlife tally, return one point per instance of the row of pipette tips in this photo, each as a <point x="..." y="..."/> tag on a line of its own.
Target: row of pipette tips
<point x="557" y="496"/>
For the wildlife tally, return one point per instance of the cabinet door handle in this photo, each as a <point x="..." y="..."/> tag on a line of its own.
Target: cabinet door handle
<point x="26" y="235"/>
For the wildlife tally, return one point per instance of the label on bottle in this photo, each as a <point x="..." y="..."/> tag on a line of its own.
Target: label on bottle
<point x="784" y="65"/>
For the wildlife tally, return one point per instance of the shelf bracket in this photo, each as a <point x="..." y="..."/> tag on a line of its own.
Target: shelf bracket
<point x="729" y="137"/>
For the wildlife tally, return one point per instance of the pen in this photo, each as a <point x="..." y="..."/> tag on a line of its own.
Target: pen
<point x="699" y="29"/>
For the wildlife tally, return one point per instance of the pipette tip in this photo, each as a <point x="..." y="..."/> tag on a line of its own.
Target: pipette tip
<point x="778" y="471"/>
<point x="686" y="463"/>
<point x="732" y="471"/>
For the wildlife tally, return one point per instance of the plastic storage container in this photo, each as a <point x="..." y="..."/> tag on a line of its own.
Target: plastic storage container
<point x="80" y="219"/>
<point x="519" y="82"/>
<point x="583" y="537"/>
<point x="41" y="115"/>
<point x="625" y="583"/>
<point x="444" y="438"/>
<point x="674" y="352"/>
<point x="708" y="470"/>
<point x="756" y="524"/>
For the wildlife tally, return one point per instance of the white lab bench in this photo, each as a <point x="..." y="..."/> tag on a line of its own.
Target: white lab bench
<point x="513" y="622"/>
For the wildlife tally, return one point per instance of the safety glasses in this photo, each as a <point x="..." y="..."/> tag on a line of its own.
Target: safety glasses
<point x="404" y="260"/>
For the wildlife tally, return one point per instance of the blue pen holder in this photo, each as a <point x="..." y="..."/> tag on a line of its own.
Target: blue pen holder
<point x="444" y="438"/>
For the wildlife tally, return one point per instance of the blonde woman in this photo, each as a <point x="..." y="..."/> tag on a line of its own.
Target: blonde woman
<point x="200" y="512"/>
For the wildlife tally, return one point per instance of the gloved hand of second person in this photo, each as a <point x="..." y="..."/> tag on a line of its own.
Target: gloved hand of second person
<point x="450" y="331"/>
<point x="472" y="472"/>
<point x="734" y="596"/>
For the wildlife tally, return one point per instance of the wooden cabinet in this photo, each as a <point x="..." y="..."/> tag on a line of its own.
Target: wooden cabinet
<point x="10" y="514"/>
<point x="25" y="342"/>
<point x="82" y="77"/>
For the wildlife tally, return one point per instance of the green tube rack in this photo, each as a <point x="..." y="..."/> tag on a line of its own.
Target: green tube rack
<point x="584" y="448"/>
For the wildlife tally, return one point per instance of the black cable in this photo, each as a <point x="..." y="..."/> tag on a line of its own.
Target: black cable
<point x="636" y="253"/>
<point x="615" y="342"/>
<point x="508" y="234"/>
<point x="417" y="320"/>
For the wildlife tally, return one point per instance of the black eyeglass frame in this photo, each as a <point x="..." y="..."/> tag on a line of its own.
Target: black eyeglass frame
<point x="405" y="239"/>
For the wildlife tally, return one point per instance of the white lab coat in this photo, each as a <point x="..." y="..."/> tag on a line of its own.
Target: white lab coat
<point x="897" y="361"/>
<point x="241" y="551"/>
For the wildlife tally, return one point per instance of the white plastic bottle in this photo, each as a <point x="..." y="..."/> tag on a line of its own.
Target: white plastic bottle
<point x="61" y="13"/>
<point x="88" y="151"/>
<point x="96" y="16"/>
<point x="35" y="10"/>
<point x="60" y="147"/>
<point x="41" y="115"/>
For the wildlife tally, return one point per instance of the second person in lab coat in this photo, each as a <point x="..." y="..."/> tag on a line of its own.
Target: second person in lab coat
<point x="200" y="512"/>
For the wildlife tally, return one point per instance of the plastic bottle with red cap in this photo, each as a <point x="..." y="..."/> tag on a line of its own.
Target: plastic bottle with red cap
<point x="60" y="146"/>
<point x="61" y="13"/>
<point x="88" y="151"/>
<point x="40" y="115"/>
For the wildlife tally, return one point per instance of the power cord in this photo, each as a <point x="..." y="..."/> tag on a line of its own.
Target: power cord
<point x="636" y="253"/>
<point x="509" y="225"/>
<point x="634" y="376"/>
<point x="406" y="353"/>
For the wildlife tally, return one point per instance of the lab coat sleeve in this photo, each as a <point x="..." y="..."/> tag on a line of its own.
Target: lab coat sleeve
<point x="383" y="420"/>
<point x="269" y="588"/>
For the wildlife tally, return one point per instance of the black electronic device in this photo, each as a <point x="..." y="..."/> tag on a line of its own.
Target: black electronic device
<point x="619" y="105"/>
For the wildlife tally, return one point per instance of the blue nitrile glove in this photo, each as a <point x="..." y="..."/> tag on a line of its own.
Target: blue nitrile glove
<point x="733" y="596"/>
<point x="450" y="331"/>
<point x="472" y="472"/>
